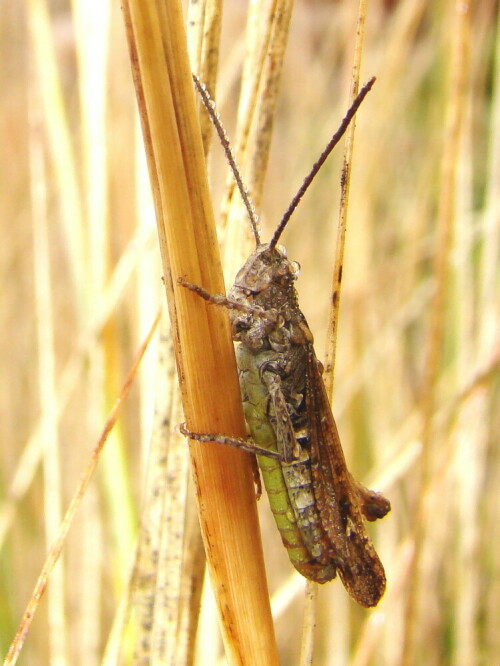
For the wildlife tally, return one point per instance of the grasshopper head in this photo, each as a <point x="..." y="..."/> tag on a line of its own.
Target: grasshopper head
<point x="265" y="267"/>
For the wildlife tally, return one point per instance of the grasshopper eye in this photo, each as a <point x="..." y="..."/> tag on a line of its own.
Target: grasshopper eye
<point x="241" y="325"/>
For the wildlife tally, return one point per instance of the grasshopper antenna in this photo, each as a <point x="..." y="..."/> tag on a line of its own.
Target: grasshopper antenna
<point x="317" y="165"/>
<point x="209" y="105"/>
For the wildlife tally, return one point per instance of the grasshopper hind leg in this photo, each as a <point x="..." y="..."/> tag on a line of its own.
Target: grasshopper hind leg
<point x="246" y="445"/>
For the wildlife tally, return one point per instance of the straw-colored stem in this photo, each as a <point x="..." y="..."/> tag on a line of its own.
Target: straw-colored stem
<point x="204" y="351"/>
<point x="57" y="546"/>
<point x="266" y="44"/>
<point x="328" y="376"/>
<point x="435" y="336"/>
<point x="204" y="27"/>
<point x="333" y="316"/>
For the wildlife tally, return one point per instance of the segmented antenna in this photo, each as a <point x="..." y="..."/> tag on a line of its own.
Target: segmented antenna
<point x="209" y="105"/>
<point x="317" y="165"/>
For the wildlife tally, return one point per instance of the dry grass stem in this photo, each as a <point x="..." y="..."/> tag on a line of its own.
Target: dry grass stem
<point x="56" y="547"/>
<point x="266" y="43"/>
<point x="345" y="182"/>
<point x="203" y="344"/>
<point x="446" y="218"/>
<point x="204" y="27"/>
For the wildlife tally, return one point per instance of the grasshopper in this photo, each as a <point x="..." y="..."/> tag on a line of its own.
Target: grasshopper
<point x="317" y="505"/>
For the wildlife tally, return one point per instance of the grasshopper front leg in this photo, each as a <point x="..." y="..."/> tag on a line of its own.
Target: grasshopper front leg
<point x="220" y="299"/>
<point x="215" y="299"/>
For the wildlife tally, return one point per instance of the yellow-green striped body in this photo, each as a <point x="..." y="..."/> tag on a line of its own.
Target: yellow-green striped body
<point x="288" y="486"/>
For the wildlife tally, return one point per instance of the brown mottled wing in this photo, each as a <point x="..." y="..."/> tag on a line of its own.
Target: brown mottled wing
<point x="337" y="499"/>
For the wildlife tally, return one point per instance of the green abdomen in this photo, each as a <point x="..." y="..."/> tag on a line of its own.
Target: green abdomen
<point x="288" y="485"/>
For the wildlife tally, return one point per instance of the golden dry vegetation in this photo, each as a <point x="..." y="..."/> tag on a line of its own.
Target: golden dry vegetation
<point x="416" y="379"/>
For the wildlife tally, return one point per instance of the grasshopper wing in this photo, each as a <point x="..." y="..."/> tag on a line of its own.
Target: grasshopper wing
<point x="337" y="498"/>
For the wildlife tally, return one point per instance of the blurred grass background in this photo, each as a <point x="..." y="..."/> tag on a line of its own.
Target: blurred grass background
<point x="81" y="285"/>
